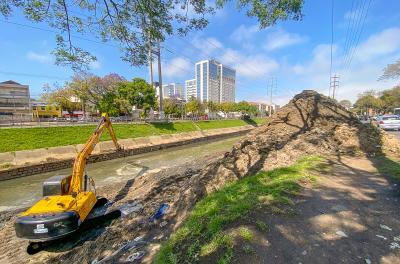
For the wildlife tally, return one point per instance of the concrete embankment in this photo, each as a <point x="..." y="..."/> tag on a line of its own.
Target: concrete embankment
<point x="28" y="162"/>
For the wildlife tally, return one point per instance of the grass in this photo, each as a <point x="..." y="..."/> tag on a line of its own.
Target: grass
<point x="205" y="234"/>
<point x="14" y="139"/>
<point x="387" y="166"/>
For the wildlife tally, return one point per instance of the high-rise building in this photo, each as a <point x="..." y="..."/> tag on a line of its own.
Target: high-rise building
<point x="175" y="90"/>
<point x="214" y="81"/>
<point x="14" y="101"/>
<point x="191" y="89"/>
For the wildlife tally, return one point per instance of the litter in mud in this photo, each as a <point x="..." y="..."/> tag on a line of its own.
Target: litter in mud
<point x="127" y="246"/>
<point x="160" y="212"/>
<point x="384" y="238"/>
<point x="341" y="233"/>
<point x="368" y="261"/>
<point x="163" y="223"/>
<point x="394" y="245"/>
<point x="129" y="208"/>
<point x="385" y="227"/>
<point x="135" y="256"/>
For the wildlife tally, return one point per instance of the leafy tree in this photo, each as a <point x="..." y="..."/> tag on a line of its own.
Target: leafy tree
<point x="391" y="71"/>
<point x="213" y="107"/>
<point x="194" y="107"/>
<point x="63" y="97"/>
<point x="345" y="103"/>
<point x="367" y="101"/>
<point x="109" y="105"/>
<point x="247" y="108"/>
<point x="228" y="107"/>
<point x="136" y="93"/>
<point x="133" y="24"/>
<point x="91" y="88"/>
<point x="391" y="99"/>
<point x="172" y="107"/>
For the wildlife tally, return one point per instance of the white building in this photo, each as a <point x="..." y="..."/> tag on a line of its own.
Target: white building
<point x="175" y="90"/>
<point x="191" y="89"/>
<point x="214" y="82"/>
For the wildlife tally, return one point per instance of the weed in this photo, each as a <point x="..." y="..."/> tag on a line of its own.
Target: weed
<point x="245" y="233"/>
<point x="262" y="226"/>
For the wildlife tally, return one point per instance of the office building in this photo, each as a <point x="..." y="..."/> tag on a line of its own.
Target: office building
<point x="173" y="90"/>
<point x="191" y="89"/>
<point x="214" y="82"/>
<point x="14" y="101"/>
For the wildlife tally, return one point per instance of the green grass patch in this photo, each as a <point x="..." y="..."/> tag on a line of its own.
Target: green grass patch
<point x="204" y="234"/>
<point x="388" y="166"/>
<point x="14" y="139"/>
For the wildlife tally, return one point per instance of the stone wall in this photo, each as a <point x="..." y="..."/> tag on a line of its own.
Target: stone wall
<point x="30" y="162"/>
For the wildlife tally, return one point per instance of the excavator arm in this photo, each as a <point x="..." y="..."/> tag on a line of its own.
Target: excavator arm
<point x="81" y="160"/>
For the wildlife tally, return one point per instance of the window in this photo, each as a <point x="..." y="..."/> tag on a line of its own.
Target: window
<point x="43" y="108"/>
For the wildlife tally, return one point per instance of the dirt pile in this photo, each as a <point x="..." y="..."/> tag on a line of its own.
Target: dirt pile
<point x="310" y="124"/>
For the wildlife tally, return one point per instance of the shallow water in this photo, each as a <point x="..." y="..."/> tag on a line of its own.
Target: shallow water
<point x="25" y="191"/>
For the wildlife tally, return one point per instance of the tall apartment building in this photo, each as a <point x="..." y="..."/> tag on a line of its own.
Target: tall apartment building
<point x="214" y="82"/>
<point x="191" y="89"/>
<point x="14" y="101"/>
<point x="175" y="90"/>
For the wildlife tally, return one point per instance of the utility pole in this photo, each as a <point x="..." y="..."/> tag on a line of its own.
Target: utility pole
<point x="334" y="85"/>
<point x="271" y="85"/>
<point x="150" y="59"/>
<point x="161" y="111"/>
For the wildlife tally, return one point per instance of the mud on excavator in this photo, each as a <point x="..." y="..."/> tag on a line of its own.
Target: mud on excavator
<point x="67" y="200"/>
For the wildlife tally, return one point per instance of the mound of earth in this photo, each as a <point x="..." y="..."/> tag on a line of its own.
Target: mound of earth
<point x="310" y="124"/>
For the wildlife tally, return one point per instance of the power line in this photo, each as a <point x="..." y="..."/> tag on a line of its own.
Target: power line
<point x="354" y="34"/>
<point x="359" y="35"/>
<point x="330" y="71"/>
<point x="351" y="26"/>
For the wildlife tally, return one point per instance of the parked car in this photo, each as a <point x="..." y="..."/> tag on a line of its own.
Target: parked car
<point x="389" y="122"/>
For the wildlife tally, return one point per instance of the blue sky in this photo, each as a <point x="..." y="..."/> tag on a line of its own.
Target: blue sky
<point x="297" y="53"/>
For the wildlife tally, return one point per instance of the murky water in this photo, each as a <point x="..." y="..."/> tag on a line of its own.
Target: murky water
<point x="25" y="191"/>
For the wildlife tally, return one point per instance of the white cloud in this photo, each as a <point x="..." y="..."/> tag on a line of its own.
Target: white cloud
<point x="280" y="39"/>
<point x="95" y="65"/>
<point x="371" y="57"/>
<point x="177" y="67"/>
<point x="383" y="43"/>
<point x="207" y="45"/>
<point x="250" y="66"/>
<point x="244" y="33"/>
<point x="39" y="57"/>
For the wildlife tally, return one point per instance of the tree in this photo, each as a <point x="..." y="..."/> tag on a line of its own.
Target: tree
<point x="391" y="71"/>
<point x="390" y="99"/>
<point x="194" y="107"/>
<point x="63" y="97"/>
<point x="228" y="107"/>
<point x="172" y="107"/>
<point x="213" y="107"/>
<point x="91" y="88"/>
<point x="247" y="108"/>
<point x="136" y="93"/>
<point x="133" y="24"/>
<point x="368" y="101"/>
<point x="345" y="103"/>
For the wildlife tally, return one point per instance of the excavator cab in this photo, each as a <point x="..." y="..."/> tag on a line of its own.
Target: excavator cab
<point x="67" y="200"/>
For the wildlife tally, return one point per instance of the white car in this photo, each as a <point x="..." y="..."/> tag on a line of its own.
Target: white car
<point x="389" y="122"/>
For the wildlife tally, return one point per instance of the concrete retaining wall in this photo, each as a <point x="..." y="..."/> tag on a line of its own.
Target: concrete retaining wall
<point x="28" y="162"/>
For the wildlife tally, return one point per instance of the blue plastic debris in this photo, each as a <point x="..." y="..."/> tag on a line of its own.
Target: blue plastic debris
<point x="160" y="212"/>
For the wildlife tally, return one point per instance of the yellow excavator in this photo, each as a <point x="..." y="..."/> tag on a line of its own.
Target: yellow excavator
<point x="67" y="200"/>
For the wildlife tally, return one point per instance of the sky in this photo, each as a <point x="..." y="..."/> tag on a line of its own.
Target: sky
<point x="295" y="53"/>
